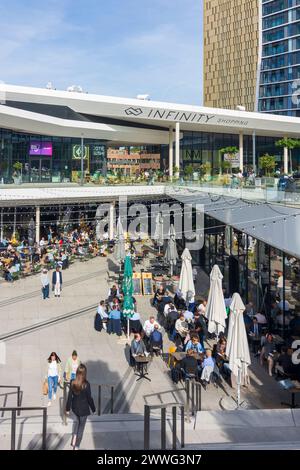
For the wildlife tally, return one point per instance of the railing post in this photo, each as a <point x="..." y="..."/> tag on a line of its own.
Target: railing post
<point x="44" y="445"/>
<point x="19" y="400"/>
<point x="163" y="428"/>
<point x="199" y="402"/>
<point x="182" y="426"/>
<point x="13" y="430"/>
<point x="187" y="388"/>
<point x="65" y="420"/>
<point x="174" y="428"/>
<point x="99" y="400"/>
<point x="112" y="400"/>
<point x="146" y="427"/>
<point x="193" y="397"/>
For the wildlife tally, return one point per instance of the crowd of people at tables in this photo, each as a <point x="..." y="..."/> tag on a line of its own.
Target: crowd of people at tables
<point x="24" y="258"/>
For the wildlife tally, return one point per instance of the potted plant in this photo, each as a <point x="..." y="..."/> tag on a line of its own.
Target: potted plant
<point x="205" y="169"/>
<point x="188" y="172"/>
<point x="268" y="164"/>
<point x="176" y="172"/>
<point x="17" y="175"/>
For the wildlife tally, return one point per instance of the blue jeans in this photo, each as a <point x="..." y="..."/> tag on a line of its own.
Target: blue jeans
<point x="73" y="375"/>
<point x="52" y="385"/>
<point x="45" y="291"/>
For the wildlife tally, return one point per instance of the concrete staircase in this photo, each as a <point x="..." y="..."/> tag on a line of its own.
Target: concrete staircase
<point x="242" y="429"/>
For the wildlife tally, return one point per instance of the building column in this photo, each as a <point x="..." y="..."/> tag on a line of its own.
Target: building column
<point x="1" y="225"/>
<point x="37" y="223"/>
<point x="241" y="151"/>
<point x="171" y="141"/>
<point x="111" y="220"/>
<point x="254" y="151"/>
<point x="177" y="145"/>
<point x="285" y="160"/>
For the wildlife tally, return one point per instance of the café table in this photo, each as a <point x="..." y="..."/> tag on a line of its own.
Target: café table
<point x="293" y="391"/>
<point x="179" y="356"/>
<point x="142" y="367"/>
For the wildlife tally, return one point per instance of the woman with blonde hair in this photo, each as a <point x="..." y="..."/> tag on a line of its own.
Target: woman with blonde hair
<point x="81" y="402"/>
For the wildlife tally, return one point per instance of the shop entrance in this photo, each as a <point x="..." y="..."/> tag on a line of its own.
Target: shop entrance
<point x="40" y="170"/>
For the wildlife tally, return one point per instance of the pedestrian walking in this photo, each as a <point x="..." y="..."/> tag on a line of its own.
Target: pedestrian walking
<point x="53" y="375"/>
<point x="45" y="284"/>
<point x="57" y="281"/>
<point x="81" y="402"/>
<point x="72" y="365"/>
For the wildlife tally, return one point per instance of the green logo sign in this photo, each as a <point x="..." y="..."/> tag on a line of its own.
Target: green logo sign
<point x="76" y="152"/>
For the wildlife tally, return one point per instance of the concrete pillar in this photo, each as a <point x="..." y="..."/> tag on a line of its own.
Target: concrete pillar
<point x="1" y="225"/>
<point x="111" y="220"/>
<point x="177" y="145"/>
<point x="15" y="221"/>
<point x="241" y="151"/>
<point x="286" y="160"/>
<point x="254" y="151"/>
<point x="171" y="140"/>
<point x="37" y="223"/>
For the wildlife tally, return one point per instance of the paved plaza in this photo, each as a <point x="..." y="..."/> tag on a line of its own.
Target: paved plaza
<point x="106" y="357"/>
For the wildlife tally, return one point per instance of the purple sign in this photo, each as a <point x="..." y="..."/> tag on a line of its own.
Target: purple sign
<point x="40" y="148"/>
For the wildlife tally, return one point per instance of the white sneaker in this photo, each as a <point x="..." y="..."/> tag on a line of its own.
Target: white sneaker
<point x="49" y="403"/>
<point x="54" y="396"/>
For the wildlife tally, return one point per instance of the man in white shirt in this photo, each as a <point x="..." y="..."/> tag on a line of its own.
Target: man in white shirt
<point x="57" y="282"/>
<point x="149" y="326"/>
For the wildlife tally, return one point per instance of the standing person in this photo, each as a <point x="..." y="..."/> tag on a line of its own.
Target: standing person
<point x="53" y="375"/>
<point x="45" y="283"/>
<point x="101" y="317"/>
<point x="72" y="365"/>
<point x="80" y="400"/>
<point x="57" y="281"/>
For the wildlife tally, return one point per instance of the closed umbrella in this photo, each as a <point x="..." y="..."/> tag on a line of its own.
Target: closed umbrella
<point x="186" y="281"/>
<point x="159" y="231"/>
<point x="237" y="348"/>
<point x="120" y="244"/>
<point x="215" y="309"/>
<point x="127" y="287"/>
<point x="171" y="255"/>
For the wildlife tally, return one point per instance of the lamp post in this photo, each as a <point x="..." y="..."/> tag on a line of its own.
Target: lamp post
<point x="82" y="157"/>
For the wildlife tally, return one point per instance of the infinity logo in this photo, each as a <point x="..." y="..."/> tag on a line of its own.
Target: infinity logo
<point x="133" y="111"/>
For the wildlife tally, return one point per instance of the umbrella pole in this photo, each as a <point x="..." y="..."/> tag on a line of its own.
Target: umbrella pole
<point x="171" y="270"/>
<point x="239" y="388"/>
<point x="128" y="332"/>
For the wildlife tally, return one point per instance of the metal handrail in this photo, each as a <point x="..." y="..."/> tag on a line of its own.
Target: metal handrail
<point x="195" y="397"/>
<point x="163" y="408"/>
<point x="99" y="399"/>
<point x="18" y="409"/>
<point x="18" y="394"/>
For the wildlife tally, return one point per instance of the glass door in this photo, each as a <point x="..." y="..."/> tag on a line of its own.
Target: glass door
<point x="40" y="170"/>
<point x="34" y="170"/>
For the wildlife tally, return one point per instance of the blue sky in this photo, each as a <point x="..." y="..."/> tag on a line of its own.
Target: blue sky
<point x="111" y="47"/>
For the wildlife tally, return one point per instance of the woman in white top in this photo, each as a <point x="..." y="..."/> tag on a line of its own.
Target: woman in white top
<point x="53" y="375"/>
<point x="101" y="310"/>
<point x="45" y="284"/>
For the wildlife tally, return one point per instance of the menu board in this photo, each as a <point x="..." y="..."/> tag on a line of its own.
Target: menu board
<point x="147" y="283"/>
<point x="137" y="284"/>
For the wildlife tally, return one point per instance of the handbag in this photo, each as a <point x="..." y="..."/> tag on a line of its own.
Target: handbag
<point x="45" y="387"/>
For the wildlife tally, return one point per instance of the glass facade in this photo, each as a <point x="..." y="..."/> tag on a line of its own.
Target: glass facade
<point x="280" y="64"/>
<point x="259" y="272"/>
<point x="60" y="163"/>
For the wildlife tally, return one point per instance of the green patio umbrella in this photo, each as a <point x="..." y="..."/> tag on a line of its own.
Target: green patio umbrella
<point x="127" y="286"/>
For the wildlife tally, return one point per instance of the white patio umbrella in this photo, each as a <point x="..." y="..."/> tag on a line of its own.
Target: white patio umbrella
<point x="237" y="349"/>
<point x="159" y="231"/>
<point x="171" y="255"/>
<point x="186" y="281"/>
<point x="215" y="309"/>
<point x="120" y="243"/>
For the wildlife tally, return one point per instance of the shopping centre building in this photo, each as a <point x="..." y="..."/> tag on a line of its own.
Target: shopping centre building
<point x="43" y="132"/>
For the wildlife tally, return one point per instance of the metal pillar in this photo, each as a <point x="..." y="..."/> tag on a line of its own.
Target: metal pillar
<point x="82" y="156"/>
<point x="1" y="224"/>
<point x="254" y="151"/>
<point x="286" y="160"/>
<point x="241" y="151"/>
<point x="37" y="223"/>
<point x="111" y="220"/>
<point x="171" y="140"/>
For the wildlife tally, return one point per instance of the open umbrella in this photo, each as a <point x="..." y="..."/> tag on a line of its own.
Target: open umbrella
<point x="171" y="255"/>
<point x="215" y="309"/>
<point x="237" y="349"/>
<point x="186" y="281"/>
<point x="159" y="231"/>
<point x="120" y="243"/>
<point x="127" y="287"/>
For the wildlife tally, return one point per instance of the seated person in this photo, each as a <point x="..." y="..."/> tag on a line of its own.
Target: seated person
<point x="181" y="328"/>
<point x="283" y="319"/>
<point x="113" y="293"/>
<point x="285" y="360"/>
<point x="295" y="325"/>
<point x="194" y="344"/>
<point x="149" y="326"/>
<point x="261" y="319"/>
<point x="170" y="322"/>
<point x="135" y="323"/>
<point x="114" y="323"/>
<point x="189" y="365"/>
<point x="138" y="347"/>
<point x="208" y="366"/>
<point x="189" y="316"/>
<point x="168" y="307"/>
<point x="247" y="321"/>
<point x="267" y="352"/>
<point x="166" y="299"/>
<point x="179" y="301"/>
<point x="200" y="327"/>
<point x="155" y="340"/>
<point x="254" y="333"/>
<point x="160" y="292"/>
<point x="220" y="356"/>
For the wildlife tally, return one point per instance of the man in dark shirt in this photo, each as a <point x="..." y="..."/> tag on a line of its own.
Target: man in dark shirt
<point x="189" y="365"/>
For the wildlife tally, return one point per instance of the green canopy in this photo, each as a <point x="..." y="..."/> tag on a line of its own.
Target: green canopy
<point x="127" y="286"/>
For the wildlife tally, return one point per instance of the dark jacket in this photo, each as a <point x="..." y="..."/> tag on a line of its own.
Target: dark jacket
<point x="189" y="365"/>
<point x="252" y="329"/>
<point x="156" y="338"/>
<point x="54" y="278"/>
<point x="81" y="403"/>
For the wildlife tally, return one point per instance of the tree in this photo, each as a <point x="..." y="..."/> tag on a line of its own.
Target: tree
<point x="205" y="168"/>
<point x="267" y="163"/>
<point x="188" y="171"/>
<point x="290" y="144"/>
<point x="231" y="152"/>
<point x="226" y="165"/>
